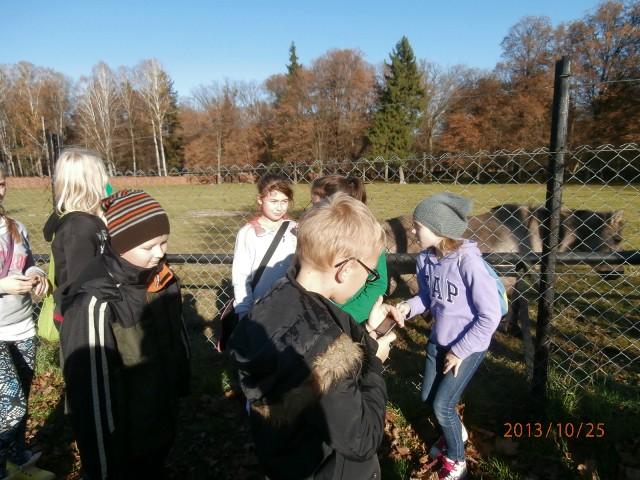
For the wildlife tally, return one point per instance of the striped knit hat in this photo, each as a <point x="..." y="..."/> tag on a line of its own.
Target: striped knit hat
<point x="133" y="217"/>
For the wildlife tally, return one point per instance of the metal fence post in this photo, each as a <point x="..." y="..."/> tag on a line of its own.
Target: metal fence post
<point x="559" y="121"/>
<point x="53" y="147"/>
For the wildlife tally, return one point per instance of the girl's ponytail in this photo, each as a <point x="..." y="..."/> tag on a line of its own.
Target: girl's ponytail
<point x="12" y="226"/>
<point x="326" y="186"/>
<point x="356" y="186"/>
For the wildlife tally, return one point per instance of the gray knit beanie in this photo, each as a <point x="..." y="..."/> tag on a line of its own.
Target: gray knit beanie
<point x="445" y="214"/>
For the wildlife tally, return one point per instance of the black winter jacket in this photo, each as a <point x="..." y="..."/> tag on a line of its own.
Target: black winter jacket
<point x="76" y="239"/>
<point x="126" y="362"/>
<point x="314" y="384"/>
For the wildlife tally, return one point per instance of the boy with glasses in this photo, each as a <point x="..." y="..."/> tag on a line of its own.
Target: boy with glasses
<point x="311" y="374"/>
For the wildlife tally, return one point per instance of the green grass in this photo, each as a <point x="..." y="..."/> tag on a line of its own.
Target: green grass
<point x="498" y="470"/>
<point x="205" y="218"/>
<point x="595" y="337"/>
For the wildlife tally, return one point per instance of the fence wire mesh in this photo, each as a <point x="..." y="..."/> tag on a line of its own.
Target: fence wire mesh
<point x="596" y="328"/>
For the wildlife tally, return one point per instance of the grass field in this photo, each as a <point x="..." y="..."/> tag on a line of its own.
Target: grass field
<point x="596" y="338"/>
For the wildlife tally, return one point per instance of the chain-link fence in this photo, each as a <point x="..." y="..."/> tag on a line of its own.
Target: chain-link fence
<point x="596" y="328"/>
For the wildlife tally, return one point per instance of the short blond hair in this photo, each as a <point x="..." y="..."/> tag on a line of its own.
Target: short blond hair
<point x="338" y="228"/>
<point x="80" y="181"/>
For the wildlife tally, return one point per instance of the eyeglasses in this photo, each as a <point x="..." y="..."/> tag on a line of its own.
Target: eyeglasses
<point x="373" y="274"/>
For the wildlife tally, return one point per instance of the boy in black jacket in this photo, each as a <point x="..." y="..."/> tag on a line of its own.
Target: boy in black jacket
<point x="126" y="356"/>
<point x="311" y="374"/>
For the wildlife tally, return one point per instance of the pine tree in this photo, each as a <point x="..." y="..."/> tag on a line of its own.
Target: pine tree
<point x="293" y="66"/>
<point x="400" y="105"/>
<point x="174" y="143"/>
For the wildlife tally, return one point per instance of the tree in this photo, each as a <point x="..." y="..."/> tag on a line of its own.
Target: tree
<point x="154" y="85"/>
<point x="441" y="86"/>
<point x="293" y="66"/>
<point x="528" y="48"/>
<point x="98" y="112"/>
<point x="605" y="49"/>
<point x="400" y="105"/>
<point x="218" y="102"/>
<point x="489" y="114"/>
<point x="129" y="97"/>
<point x="342" y="97"/>
<point x="291" y="130"/>
<point x="174" y="145"/>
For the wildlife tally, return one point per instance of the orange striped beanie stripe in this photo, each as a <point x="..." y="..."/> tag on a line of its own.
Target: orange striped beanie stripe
<point x="133" y="218"/>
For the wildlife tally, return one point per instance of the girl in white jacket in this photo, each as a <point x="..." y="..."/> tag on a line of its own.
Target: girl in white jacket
<point x="253" y="240"/>
<point x="19" y="279"/>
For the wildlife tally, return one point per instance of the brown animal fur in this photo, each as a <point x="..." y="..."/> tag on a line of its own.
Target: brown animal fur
<point x="518" y="229"/>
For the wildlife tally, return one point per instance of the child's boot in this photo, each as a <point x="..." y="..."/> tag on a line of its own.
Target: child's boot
<point x="452" y="470"/>
<point x="440" y="447"/>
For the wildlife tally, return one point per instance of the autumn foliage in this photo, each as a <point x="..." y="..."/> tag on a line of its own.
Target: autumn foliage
<point x="337" y="108"/>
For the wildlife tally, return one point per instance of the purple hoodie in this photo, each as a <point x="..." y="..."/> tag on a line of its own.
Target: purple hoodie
<point x="462" y="296"/>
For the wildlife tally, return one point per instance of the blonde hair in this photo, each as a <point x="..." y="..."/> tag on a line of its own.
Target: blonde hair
<point x="338" y="228"/>
<point x="80" y="181"/>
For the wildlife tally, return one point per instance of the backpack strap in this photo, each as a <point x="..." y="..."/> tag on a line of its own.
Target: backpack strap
<point x="269" y="253"/>
<point x="500" y="288"/>
<point x="8" y="257"/>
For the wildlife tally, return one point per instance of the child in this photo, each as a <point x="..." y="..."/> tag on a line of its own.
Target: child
<point x="311" y="375"/>
<point x="326" y="186"/>
<point x="19" y="278"/>
<point x="76" y="228"/>
<point x="359" y="306"/>
<point x="254" y="239"/>
<point x="462" y="297"/>
<point x="125" y="346"/>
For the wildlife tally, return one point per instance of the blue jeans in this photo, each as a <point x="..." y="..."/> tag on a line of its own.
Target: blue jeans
<point x="442" y="392"/>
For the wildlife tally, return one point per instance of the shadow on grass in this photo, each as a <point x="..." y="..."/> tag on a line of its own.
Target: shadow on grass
<point x="49" y="426"/>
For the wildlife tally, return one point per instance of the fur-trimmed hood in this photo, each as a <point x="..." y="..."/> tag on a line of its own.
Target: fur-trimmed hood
<point x="288" y="358"/>
<point x="343" y="359"/>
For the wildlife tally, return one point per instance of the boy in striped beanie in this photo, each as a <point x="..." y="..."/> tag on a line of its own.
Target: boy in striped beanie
<point x="126" y="354"/>
<point x="133" y="217"/>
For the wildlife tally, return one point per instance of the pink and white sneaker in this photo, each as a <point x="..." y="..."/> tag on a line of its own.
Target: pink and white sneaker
<point x="440" y="447"/>
<point x="452" y="470"/>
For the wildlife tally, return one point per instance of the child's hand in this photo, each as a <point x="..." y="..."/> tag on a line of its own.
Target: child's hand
<point x="384" y="346"/>
<point x="451" y="361"/>
<point x="40" y="285"/>
<point x="379" y="312"/>
<point x="404" y="309"/>
<point x="16" y="284"/>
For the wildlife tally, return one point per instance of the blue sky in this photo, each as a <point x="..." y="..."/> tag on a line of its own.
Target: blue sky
<point x="203" y="41"/>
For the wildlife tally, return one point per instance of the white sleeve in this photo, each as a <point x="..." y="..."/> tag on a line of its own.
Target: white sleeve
<point x="242" y="270"/>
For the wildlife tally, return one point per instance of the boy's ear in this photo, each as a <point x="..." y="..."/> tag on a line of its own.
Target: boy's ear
<point x="343" y="272"/>
<point x="259" y="199"/>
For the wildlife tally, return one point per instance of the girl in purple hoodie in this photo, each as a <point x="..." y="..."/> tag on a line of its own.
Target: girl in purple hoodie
<point x="456" y="287"/>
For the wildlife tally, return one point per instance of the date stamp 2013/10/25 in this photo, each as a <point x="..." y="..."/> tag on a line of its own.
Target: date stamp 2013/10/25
<point x="548" y="429"/>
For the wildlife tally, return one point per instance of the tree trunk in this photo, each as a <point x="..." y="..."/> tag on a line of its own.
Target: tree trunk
<point x="219" y="155"/>
<point x="46" y="150"/>
<point x="133" y="149"/>
<point x="155" y="143"/>
<point x="162" y="156"/>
